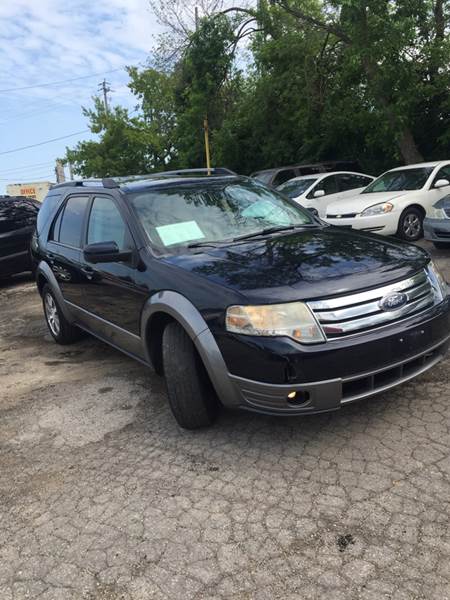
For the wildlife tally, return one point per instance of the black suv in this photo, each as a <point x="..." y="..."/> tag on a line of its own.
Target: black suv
<point x="236" y="294"/>
<point x="17" y="223"/>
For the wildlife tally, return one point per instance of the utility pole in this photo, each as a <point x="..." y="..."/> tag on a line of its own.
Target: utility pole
<point x="104" y="87"/>
<point x="205" y="120"/>
<point x="59" y="172"/>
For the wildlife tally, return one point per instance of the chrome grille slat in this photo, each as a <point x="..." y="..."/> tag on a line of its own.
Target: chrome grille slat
<point x="369" y="295"/>
<point x="358" y="312"/>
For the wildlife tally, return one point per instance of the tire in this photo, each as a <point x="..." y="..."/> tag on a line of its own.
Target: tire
<point x="60" y="329"/>
<point x="191" y="395"/>
<point x="442" y="245"/>
<point x="410" y="224"/>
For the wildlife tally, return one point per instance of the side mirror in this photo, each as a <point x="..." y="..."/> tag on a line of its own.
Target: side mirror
<point x="105" y="252"/>
<point x="319" y="193"/>
<point x="440" y="183"/>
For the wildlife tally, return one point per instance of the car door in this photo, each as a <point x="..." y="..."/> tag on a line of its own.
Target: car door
<point x="433" y="195"/>
<point x="63" y="251"/>
<point x="329" y="185"/>
<point x="17" y="222"/>
<point x="113" y="294"/>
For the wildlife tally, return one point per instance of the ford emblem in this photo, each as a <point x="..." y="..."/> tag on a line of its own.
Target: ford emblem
<point x="393" y="301"/>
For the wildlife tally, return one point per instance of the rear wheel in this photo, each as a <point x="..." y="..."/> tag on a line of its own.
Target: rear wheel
<point x="191" y="396"/>
<point x="61" y="330"/>
<point x="410" y="225"/>
<point x="442" y="245"/>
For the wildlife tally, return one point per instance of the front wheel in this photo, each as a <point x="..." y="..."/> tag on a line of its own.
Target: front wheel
<point x="410" y="225"/>
<point x="191" y="395"/>
<point x="61" y="330"/>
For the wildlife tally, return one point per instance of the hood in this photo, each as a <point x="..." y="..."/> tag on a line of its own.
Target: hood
<point x="305" y="265"/>
<point x="358" y="203"/>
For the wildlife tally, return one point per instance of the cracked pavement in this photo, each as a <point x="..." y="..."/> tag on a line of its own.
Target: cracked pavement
<point x="103" y="497"/>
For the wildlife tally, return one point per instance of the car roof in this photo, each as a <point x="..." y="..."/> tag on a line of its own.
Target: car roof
<point x="433" y="164"/>
<point x="305" y="166"/>
<point x="322" y="175"/>
<point x="145" y="184"/>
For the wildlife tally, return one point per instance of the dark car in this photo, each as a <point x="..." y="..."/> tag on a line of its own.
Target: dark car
<point x="277" y="176"/>
<point x="437" y="223"/>
<point x="17" y="223"/>
<point x="236" y="294"/>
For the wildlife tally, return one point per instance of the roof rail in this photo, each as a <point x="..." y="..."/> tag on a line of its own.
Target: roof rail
<point x="114" y="182"/>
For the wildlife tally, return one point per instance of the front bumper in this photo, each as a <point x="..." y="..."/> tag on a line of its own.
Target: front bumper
<point x="382" y="224"/>
<point x="353" y="370"/>
<point x="437" y="230"/>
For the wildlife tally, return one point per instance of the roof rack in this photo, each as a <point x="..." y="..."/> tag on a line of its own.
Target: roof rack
<point x="114" y="182"/>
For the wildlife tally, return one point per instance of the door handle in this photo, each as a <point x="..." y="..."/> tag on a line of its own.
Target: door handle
<point x="88" y="272"/>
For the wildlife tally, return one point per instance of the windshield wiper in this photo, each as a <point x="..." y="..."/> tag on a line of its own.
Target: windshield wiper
<point x="203" y="244"/>
<point x="270" y="230"/>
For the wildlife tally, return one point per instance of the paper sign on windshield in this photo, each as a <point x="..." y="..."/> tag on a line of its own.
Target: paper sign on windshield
<point x="177" y="233"/>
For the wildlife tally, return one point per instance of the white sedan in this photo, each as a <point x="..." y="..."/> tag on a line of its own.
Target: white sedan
<point x="396" y="203"/>
<point x="316" y="191"/>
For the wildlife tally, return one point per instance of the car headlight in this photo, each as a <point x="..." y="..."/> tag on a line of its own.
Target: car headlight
<point x="439" y="284"/>
<point x="294" y="320"/>
<point x="436" y="213"/>
<point x="377" y="209"/>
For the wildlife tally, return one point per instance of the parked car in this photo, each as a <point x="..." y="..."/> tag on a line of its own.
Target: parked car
<point x="396" y="202"/>
<point x="315" y="192"/>
<point x="17" y="223"/>
<point x="437" y="223"/>
<point x="277" y="176"/>
<point x="238" y="295"/>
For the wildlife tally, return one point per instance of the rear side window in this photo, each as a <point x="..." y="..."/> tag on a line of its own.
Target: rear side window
<point x="47" y="210"/>
<point x="69" y="224"/>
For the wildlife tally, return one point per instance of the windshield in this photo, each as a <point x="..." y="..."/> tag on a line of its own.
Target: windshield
<point x="264" y="176"/>
<point x="216" y="212"/>
<point x="396" y="181"/>
<point x="295" y="188"/>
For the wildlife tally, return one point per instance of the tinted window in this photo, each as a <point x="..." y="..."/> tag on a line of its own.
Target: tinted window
<point x="72" y="221"/>
<point x="48" y="208"/>
<point x="16" y="213"/>
<point x="351" y="182"/>
<point x="403" y="179"/>
<point x="283" y="176"/>
<point x="327" y="184"/>
<point x="443" y="173"/>
<point x="106" y="224"/>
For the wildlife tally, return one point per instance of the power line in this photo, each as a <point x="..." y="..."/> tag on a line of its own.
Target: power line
<point x="25" y="167"/>
<point x="37" y="85"/>
<point x="63" y="137"/>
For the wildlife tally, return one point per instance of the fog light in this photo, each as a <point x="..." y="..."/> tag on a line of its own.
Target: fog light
<point x="292" y="395"/>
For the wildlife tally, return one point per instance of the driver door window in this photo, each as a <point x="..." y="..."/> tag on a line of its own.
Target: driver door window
<point x="327" y="184"/>
<point x="443" y="173"/>
<point x="107" y="225"/>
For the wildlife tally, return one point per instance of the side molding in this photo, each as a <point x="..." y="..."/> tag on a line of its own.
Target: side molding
<point x="183" y="311"/>
<point x="45" y="270"/>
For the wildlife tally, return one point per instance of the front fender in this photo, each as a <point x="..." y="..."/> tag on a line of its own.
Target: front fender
<point x="184" y="312"/>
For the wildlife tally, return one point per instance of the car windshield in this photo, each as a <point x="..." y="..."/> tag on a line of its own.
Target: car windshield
<point x="396" y="181"/>
<point x="295" y="188"/>
<point x="184" y="215"/>
<point x="264" y="176"/>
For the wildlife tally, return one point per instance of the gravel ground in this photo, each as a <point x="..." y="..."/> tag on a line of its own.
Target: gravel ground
<point x="103" y="497"/>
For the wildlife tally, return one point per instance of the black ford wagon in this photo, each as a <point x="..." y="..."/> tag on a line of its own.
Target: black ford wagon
<point x="236" y="294"/>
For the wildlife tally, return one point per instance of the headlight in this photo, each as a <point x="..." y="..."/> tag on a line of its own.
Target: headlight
<point x="377" y="209"/>
<point x="438" y="282"/>
<point x="436" y="213"/>
<point x="293" y="320"/>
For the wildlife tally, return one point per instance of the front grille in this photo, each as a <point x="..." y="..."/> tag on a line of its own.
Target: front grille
<point x="346" y="216"/>
<point x="352" y="314"/>
<point x="442" y="234"/>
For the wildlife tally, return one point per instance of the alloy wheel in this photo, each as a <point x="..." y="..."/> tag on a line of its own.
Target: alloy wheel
<point x="412" y="226"/>
<point x="51" y="313"/>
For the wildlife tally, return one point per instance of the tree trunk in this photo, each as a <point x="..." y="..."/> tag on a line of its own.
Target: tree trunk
<point x="408" y="147"/>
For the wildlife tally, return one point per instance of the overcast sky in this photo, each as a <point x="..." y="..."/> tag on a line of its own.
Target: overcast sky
<point x="46" y="41"/>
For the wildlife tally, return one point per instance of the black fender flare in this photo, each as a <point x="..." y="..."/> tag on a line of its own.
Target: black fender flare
<point x="184" y="312"/>
<point x="44" y="270"/>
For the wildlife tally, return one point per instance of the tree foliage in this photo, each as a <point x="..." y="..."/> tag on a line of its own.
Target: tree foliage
<point x="335" y="79"/>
